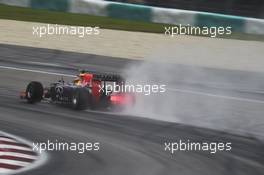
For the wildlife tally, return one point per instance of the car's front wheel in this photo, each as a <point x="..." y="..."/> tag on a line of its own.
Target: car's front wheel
<point x="34" y="92"/>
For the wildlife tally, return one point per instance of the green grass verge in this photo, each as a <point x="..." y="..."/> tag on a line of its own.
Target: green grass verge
<point x="54" y="17"/>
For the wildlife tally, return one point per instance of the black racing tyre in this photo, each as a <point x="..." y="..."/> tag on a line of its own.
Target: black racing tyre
<point x="34" y="92"/>
<point x="81" y="99"/>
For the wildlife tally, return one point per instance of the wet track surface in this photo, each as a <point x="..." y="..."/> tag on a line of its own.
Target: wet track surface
<point x="128" y="145"/>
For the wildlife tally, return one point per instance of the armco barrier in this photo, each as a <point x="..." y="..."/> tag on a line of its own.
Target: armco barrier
<point x="92" y="7"/>
<point x="129" y="11"/>
<point x="58" y="5"/>
<point x="217" y="20"/>
<point x="146" y="13"/>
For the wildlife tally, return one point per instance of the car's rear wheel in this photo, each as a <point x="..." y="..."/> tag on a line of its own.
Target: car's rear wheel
<point x="81" y="99"/>
<point x="34" y="92"/>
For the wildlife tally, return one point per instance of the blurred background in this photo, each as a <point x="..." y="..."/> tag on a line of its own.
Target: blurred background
<point x="215" y="86"/>
<point x="247" y="8"/>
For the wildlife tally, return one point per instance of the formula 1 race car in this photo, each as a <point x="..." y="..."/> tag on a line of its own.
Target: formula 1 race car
<point x="88" y="90"/>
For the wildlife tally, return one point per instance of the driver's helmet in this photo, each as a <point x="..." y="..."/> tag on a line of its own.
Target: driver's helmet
<point x="83" y="79"/>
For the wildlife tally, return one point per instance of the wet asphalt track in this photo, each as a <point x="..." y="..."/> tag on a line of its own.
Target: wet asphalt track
<point x="128" y="145"/>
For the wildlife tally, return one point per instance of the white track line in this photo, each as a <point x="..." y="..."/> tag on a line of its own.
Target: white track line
<point x="6" y="146"/>
<point x="36" y="71"/>
<point x="7" y="140"/>
<point x="216" y="95"/>
<point x="4" y="171"/>
<point x="15" y="162"/>
<point x="43" y="64"/>
<point x="18" y="155"/>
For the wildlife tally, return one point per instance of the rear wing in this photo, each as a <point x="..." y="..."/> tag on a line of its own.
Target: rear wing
<point x="106" y="76"/>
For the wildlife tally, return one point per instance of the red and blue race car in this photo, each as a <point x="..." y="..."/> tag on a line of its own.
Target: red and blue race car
<point x="88" y="90"/>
